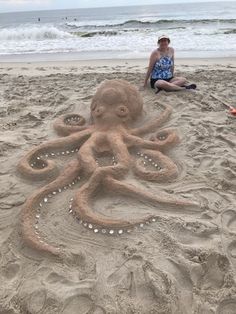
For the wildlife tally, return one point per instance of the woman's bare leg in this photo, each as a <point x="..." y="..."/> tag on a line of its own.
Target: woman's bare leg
<point x="179" y="81"/>
<point x="161" y="84"/>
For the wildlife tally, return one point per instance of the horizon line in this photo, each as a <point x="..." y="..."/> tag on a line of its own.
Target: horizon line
<point x="103" y="7"/>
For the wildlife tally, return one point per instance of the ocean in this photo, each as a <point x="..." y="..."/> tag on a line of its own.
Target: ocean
<point x="195" y="29"/>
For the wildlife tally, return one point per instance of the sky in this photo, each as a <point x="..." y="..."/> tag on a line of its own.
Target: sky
<point x="28" y="5"/>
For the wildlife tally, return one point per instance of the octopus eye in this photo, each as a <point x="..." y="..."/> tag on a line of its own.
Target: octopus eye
<point x="122" y="111"/>
<point x="99" y="111"/>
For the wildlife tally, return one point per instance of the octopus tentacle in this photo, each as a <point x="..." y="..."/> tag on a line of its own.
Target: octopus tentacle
<point x="153" y="124"/>
<point x="106" y="177"/>
<point x="164" y="168"/>
<point x="99" y="222"/>
<point x="133" y="140"/>
<point x="166" y="138"/>
<point x="33" y="204"/>
<point x="86" y="157"/>
<point x="161" y="198"/>
<point x="69" y="123"/>
<point x="81" y="205"/>
<point x="162" y="140"/>
<point x="34" y="164"/>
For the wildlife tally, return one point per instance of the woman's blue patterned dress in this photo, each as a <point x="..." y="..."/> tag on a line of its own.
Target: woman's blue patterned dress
<point x="162" y="69"/>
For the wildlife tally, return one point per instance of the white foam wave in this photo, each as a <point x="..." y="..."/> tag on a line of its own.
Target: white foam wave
<point x="142" y="42"/>
<point x="33" y="32"/>
<point x="95" y="23"/>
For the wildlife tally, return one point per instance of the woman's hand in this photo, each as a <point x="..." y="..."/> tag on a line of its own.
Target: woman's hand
<point x="143" y="87"/>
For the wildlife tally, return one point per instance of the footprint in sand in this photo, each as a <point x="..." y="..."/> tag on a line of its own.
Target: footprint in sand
<point x="62" y="291"/>
<point x="160" y="282"/>
<point x="36" y="301"/>
<point x="140" y="280"/>
<point x="229" y="233"/>
<point x="125" y="271"/>
<point x="215" y="266"/>
<point x="229" y="221"/>
<point x="227" y="307"/>
<point x="10" y="270"/>
<point x="81" y="305"/>
<point x="195" y="232"/>
<point x="79" y="292"/>
<point x="232" y="249"/>
<point x="56" y="281"/>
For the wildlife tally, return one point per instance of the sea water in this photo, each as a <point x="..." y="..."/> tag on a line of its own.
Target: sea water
<point x="195" y="29"/>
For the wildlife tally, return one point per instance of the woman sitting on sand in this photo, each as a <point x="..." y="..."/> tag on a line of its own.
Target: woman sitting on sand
<point x="161" y="69"/>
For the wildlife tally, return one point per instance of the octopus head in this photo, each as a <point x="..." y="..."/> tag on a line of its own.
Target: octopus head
<point x="116" y="102"/>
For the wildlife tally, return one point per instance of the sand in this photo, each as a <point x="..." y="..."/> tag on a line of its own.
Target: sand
<point x="183" y="263"/>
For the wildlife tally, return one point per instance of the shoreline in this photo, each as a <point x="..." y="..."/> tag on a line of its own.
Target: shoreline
<point x="111" y="55"/>
<point x="109" y="65"/>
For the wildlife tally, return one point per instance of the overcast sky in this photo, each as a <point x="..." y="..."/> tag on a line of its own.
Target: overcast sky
<point x="26" y="5"/>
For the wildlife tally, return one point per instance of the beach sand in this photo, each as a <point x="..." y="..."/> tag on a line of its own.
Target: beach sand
<point x="183" y="263"/>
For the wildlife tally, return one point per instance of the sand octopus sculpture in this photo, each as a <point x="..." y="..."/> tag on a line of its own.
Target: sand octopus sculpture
<point x="115" y="107"/>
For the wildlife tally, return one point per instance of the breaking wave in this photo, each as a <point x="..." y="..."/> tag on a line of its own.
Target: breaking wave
<point x="32" y="32"/>
<point x="138" y="23"/>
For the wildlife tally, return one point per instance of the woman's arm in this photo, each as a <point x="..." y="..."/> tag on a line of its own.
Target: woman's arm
<point x="173" y="58"/>
<point x="152" y="61"/>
